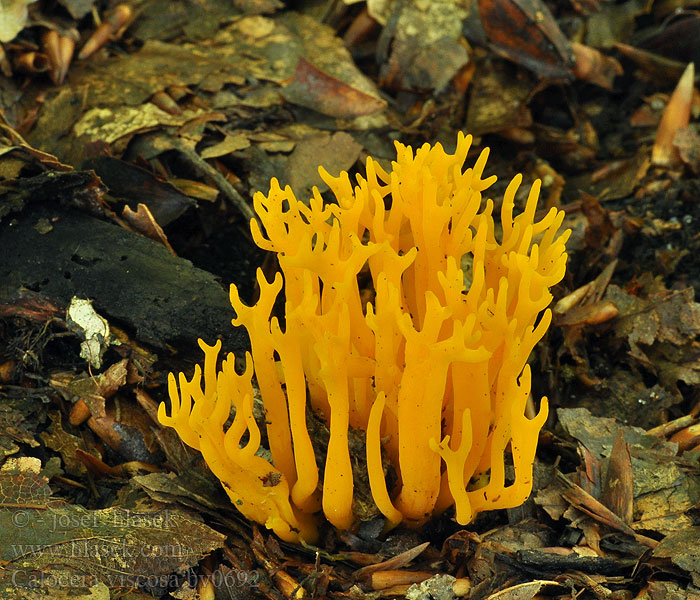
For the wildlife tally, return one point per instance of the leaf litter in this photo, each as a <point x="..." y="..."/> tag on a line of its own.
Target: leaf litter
<point x="144" y="154"/>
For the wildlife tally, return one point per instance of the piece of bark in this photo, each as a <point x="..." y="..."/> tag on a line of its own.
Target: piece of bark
<point x="60" y="253"/>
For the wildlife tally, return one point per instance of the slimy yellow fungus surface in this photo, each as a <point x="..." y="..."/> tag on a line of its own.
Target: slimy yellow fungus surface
<point x="433" y="370"/>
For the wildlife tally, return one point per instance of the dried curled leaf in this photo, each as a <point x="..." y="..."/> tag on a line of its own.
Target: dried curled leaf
<point x="13" y="17"/>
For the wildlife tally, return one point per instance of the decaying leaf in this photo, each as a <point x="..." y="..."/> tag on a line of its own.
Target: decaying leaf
<point x="525" y="591"/>
<point x="687" y="141"/>
<point x="525" y="32"/>
<point x="665" y="316"/>
<point x="594" y="66"/>
<point x="13" y="17"/>
<point x="683" y="550"/>
<point x="499" y="101"/>
<point x="77" y="8"/>
<point x="229" y="144"/>
<point x="662" y="489"/>
<point x="22" y="483"/>
<point x="142" y="221"/>
<point x="315" y="89"/>
<point x="427" y="49"/>
<point x="89" y="389"/>
<point x="108" y="125"/>
<point x="138" y="185"/>
<point x="677" y="38"/>
<point x="66" y="444"/>
<point x="617" y="492"/>
<point x="18" y="423"/>
<point x="93" y="328"/>
<point x="339" y="152"/>
<point x="613" y="22"/>
<point x="659" y="67"/>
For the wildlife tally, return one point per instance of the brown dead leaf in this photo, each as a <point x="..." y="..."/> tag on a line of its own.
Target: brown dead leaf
<point x="77" y="8"/>
<point x="427" y="49"/>
<point x="30" y="305"/>
<point x="127" y="430"/>
<point x="526" y="591"/>
<point x="92" y="389"/>
<point x="687" y="438"/>
<point x="619" y="178"/>
<point x="584" y="305"/>
<point x="499" y="100"/>
<point x="576" y="148"/>
<point x="143" y="222"/>
<point x="336" y="152"/>
<point x="111" y="124"/>
<point x="230" y="143"/>
<point x="664" y="316"/>
<point x="13" y="17"/>
<point x="663" y="489"/>
<point x="666" y="505"/>
<point x="197" y="487"/>
<point x="18" y="423"/>
<point x="614" y="22"/>
<point x="595" y="67"/>
<point x="657" y="67"/>
<point x="66" y="444"/>
<point x="315" y="89"/>
<point x="135" y="184"/>
<point x="600" y="227"/>
<point x="131" y="79"/>
<point x="33" y="156"/>
<point x="21" y="484"/>
<point x="396" y="562"/>
<point x="525" y="32"/>
<point x="590" y="314"/>
<point x="195" y="189"/>
<point x="663" y="590"/>
<point x="587" y="504"/>
<point x="682" y="549"/>
<point x="617" y="487"/>
<point x="598" y="434"/>
<point x="687" y="142"/>
<point x="677" y="38"/>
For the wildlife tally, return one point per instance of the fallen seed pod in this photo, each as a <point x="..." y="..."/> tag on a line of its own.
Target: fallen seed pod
<point x="110" y="29"/>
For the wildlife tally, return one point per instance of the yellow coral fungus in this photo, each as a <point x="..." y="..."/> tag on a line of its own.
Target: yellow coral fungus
<point x="433" y="370"/>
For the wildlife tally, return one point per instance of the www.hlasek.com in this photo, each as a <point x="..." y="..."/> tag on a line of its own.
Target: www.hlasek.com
<point x="119" y="548"/>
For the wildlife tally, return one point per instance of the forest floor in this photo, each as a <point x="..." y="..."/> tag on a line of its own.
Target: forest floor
<point x="129" y="154"/>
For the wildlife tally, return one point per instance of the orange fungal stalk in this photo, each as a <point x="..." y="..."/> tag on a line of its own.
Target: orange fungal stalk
<point x="433" y="367"/>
